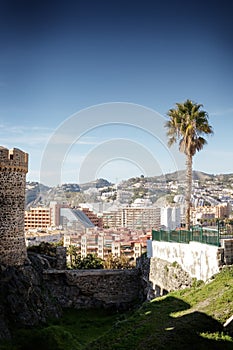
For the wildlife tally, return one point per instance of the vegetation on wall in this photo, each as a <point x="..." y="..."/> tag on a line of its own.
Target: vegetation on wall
<point x="45" y="248"/>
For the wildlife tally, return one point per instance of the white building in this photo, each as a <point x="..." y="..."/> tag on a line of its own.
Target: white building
<point x="124" y="196"/>
<point x="170" y="217"/>
<point x="141" y="202"/>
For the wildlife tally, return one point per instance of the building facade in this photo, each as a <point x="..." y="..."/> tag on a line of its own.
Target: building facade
<point x="38" y="217"/>
<point x="133" y="218"/>
<point x="170" y="217"/>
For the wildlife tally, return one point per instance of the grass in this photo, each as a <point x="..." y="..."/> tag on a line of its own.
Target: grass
<point x="185" y="319"/>
<point x="73" y="331"/>
<point x="215" y="298"/>
<point x="158" y="325"/>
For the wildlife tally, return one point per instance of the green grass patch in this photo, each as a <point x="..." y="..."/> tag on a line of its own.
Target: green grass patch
<point x="73" y="331"/>
<point x="214" y="298"/>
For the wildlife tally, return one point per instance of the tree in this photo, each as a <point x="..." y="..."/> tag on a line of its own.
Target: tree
<point x="187" y="125"/>
<point x="73" y="253"/>
<point x="91" y="261"/>
<point x="117" y="262"/>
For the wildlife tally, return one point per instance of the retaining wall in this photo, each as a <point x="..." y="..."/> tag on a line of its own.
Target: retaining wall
<point x="200" y="260"/>
<point x="95" y="288"/>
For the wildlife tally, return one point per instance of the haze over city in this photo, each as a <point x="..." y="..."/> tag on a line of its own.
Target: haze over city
<point x="60" y="58"/>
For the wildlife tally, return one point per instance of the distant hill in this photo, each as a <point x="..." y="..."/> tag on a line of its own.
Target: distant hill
<point x="177" y="175"/>
<point x="37" y="193"/>
<point x="180" y="176"/>
<point x="197" y="175"/>
<point x="99" y="183"/>
<point x="70" y="187"/>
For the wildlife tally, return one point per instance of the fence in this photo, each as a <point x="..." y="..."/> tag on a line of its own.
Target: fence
<point x="202" y="235"/>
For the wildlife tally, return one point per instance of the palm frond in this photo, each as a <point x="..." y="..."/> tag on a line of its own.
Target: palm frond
<point x="188" y="124"/>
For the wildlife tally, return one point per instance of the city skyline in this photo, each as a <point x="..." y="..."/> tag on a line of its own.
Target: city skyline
<point x="60" y="59"/>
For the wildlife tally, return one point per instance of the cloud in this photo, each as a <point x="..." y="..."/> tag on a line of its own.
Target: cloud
<point x="14" y="135"/>
<point x="60" y="138"/>
<point x="222" y="113"/>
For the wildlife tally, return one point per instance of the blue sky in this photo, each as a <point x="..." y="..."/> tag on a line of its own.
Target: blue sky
<point x="60" y="57"/>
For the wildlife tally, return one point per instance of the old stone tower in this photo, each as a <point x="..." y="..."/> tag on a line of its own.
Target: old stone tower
<point x="13" y="169"/>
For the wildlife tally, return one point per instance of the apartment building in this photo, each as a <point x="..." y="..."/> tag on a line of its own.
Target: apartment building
<point x="223" y="210"/>
<point x="220" y="211"/>
<point x="42" y="217"/>
<point x="103" y="243"/>
<point x="140" y="217"/>
<point x="170" y="217"/>
<point x="57" y="215"/>
<point x="133" y="218"/>
<point x="95" y="219"/>
<point x="39" y="217"/>
<point x="75" y="220"/>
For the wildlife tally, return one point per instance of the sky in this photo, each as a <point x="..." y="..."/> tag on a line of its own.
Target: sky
<point x="85" y="85"/>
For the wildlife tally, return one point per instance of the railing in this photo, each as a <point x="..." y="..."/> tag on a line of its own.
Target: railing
<point x="202" y="235"/>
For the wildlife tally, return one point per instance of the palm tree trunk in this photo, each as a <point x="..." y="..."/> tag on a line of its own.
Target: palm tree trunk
<point x="189" y="161"/>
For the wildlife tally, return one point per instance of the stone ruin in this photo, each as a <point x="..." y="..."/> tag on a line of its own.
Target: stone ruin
<point x="13" y="169"/>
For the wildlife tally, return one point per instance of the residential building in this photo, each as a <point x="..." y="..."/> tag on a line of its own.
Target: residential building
<point x="73" y="219"/>
<point x="95" y="219"/>
<point x="133" y="217"/>
<point x="170" y="217"/>
<point x="42" y="217"/>
<point x="39" y="217"/>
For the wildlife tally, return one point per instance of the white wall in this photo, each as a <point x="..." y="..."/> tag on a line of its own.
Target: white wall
<point x="198" y="259"/>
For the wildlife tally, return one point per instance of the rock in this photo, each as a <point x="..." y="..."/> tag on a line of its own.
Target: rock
<point x="228" y="325"/>
<point x="24" y="299"/>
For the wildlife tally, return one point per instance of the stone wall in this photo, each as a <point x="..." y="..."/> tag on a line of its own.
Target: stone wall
<point x="118" y="289"/>
<point x="61" y="258"/>
<point x="228" y="251"/>
<point x="166" y="277"/>
<point x="13" y="168"/>
<point x="24" y="298"/>
<point x="160" y="277"/>
<point x="200" y="260"/>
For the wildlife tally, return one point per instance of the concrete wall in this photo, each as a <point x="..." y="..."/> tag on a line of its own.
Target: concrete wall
<point x="200" y="260"/>
<point x="95" y="288"/>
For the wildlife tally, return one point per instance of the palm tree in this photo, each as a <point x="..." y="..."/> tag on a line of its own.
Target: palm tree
<point x="187" y="125"/>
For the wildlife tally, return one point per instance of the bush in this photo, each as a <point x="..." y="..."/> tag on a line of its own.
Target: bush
<point x="44" y="248"/>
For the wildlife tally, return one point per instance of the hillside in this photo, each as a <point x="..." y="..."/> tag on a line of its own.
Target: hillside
<point x="187" y="319"/>
<point x="37" y="194"/>
<point x="99" y="183"/>
<point x="139" y="187"/>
